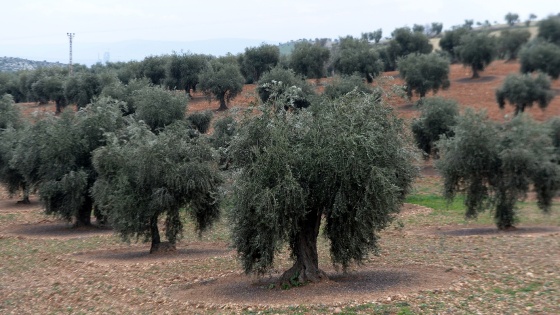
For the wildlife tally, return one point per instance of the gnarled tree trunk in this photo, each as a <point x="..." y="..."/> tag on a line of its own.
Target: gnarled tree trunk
<point x="157" y="246"/>
<point x="223" y="105"/>
<point x="83" y="218"/>
<point x="306" y="266"/>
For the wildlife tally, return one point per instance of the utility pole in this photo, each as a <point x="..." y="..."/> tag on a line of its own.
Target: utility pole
<point x="70" y="36"/>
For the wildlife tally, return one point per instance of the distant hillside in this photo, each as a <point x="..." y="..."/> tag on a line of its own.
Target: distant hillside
<point x="12" y="64"/>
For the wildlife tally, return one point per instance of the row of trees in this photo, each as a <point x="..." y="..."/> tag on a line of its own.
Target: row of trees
<point x="138" y="163"/>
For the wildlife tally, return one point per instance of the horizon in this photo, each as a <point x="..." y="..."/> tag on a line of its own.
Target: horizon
<point x="105" y="25"/>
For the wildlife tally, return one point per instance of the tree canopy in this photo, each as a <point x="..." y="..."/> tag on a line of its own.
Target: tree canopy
<point x="541" y="56"/>
<point x="512" y="18"/>
<point x="437" y="119"/>
<point x="423" y="73"/>
<point x="257" y="60"/>
<point x="522" y="90"/>
<point x="282" y="79"/>
<point x="347" y="161"/>
<point x="145" y="176"/>
<point x="341" y="86"/>
<point x="549" y="29"/>
<point x="509" y="159"/>
<point x="356" y="56"/>
<point x="223" y="80"/>
<point x="477" y="50"/>
<point x="183" y="70"/>
<point x="451" y="40"/>
<point x="405" y="42"/>
<point x="309" y="60"/>
<point x="511" y="41"/>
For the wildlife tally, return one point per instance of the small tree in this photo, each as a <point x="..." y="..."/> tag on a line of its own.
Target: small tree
<point x="346" y="161"/>
<point x="436" y="28"/>
<point x="81" y="88"/>
<point x="201" y="120"/>
<point x="55" y="156"/>
<point x="11" y="128"/>
<point x="424" y="73"/>
<point x="512" y="18"/>
<point x="477" y="50"/>
<point x="159" y="107"/>
<point x="257" y="60"/>
<point x="549" y="29"/>
<point x="153" y="68"/>
<point x="451" y="40"/>
<point x="356" y="56"/>
<point x="406" y="42"/>
<point x="144" y="177"/>
<point x="511" y="41"/>
<point x="223" y="80"/>
<point x="183" y="70"/>
<point x="309" y="60"/>
<point x="437" y="120"/>
<point x="541" y="56"/>
<point x="508" y="159"/>
<point x="283" y="79"/>
<point x="522" y="90"/>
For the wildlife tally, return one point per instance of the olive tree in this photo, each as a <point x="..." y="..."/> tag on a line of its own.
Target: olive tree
<point x="144" y="177"/>
<point x="346" y="163"/>
<point x="512" y="18"/>
<point x="309" y="60"/>
<point x="356" y="56"/>
<point x="437" y="119"/>
<point x="549" y="29"/>
<point x="257" y="60"/>
<point x="223" y="80"/>
<point x="282" y="79"/>
<point x="183" y="70"/>
<point x="55" y="156"/>
<point x="495" y="165"/>
<point x="522" y="90"/>
<point x="159" y="107"/>
<point x="11" y="128"/>
<point x="423" y="73"/>
<point x="541" y="56"/>
<point x="404" y="42"/>
<point x="477" y="50"/>
<point x="451" y="40"/>
<point x="511" y="41"/>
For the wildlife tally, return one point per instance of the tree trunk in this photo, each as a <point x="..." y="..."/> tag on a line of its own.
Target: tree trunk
<point x="84" y="214"/>
<point x="475" y="73"/>
<point x="25" y="192"/>
<point x="223" y="105"/>
<point x="505" y="212"/>
<point x="158" y="246"/>
<point x="306" y="266"/>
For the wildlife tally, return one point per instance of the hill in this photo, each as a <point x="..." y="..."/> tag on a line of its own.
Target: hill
<point x="12" y="64"/>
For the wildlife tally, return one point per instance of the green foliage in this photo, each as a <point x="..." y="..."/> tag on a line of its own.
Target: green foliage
<point x="201" y="120"/>
<point x="11" y="126"/>
<point x="522" y="90"/>
<point x="81" y="88"/>
<point x="284" y="79"/>
<point x="341" y="86"/>
<point x="405" y="42"/>
<point x="257" y="60"/>
<point x="144" y="176"/>
<point x="512" y="18"/>
<point x="511" y="41"/>
<point x="437" y="119"/>
<point x="125" y="92"/>
<point x="477" y="50"/>
<point x="356" y="56"/>
<point x="154" y="68"/>
<point x="423" y="73"/>
<point x="374" y="36"/>
<point x="55" y="156"/>
<point x="225" y="129"/>
<point x="183" y="71"/>
<point x="451" y="40"/>
<point x="541" y="56"/>
<point x="309" y="60"/>
<point x="159" y="107"/>
<point x="495" y="165"/>
<point x="549" y="29"/>
<point x="223" y="80"/>
<point x="347" y="161"/>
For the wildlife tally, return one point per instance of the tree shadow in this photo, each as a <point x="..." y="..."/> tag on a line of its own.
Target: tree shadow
<point x="61" y="230"/>
<point x="482" y="79"/>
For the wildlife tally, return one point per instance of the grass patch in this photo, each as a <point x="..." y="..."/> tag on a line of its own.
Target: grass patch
<point x="437" y="202"/>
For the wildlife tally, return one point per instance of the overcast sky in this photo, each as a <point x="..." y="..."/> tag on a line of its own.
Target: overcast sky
<point x="33" y="22"/>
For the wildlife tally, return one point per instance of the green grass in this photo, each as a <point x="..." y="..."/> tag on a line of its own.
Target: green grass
<point x="437" y="202"/>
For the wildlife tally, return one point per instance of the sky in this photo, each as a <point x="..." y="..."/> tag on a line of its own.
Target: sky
<point x="31" y="25"/>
